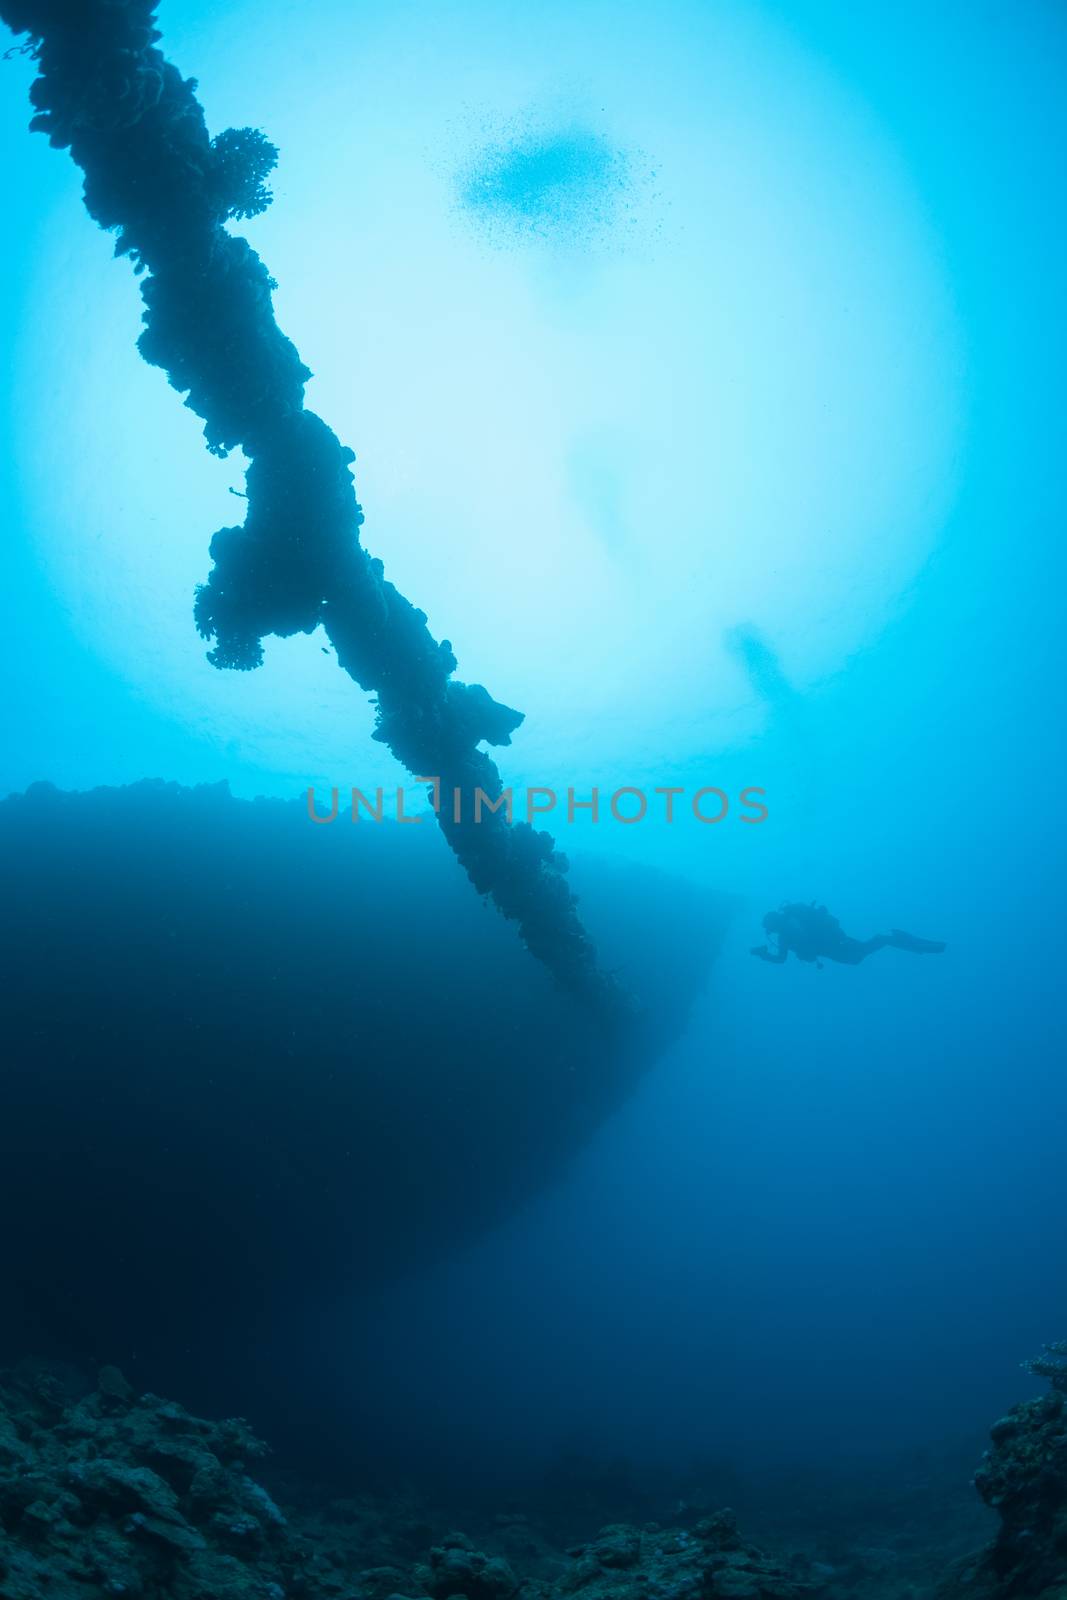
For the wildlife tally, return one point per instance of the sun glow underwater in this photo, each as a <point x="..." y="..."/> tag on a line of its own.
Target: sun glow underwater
<point x="608" y="1148"/>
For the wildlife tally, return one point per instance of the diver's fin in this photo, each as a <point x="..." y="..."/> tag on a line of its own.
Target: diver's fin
<point x="919" y="947"/>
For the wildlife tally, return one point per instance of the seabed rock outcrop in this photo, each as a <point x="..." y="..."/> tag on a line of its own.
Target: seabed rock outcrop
<point x="104" y="1491"/>
<point x="1023" y="1478"/>
<point x="710" y="1561"/>
<point x="111" y="1493"/>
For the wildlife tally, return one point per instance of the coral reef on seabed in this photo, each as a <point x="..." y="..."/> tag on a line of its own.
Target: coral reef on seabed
<point x="110" y="1493"/>
<point x="1023" y="1478"/>
<point x="710" y="1562"/>
<point x="106" y="1492"/>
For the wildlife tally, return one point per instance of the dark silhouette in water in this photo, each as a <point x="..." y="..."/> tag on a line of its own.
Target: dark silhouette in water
<point x="154" y="176"/>
<point x="252" y="1069"/>
<point x="812" y="934"/>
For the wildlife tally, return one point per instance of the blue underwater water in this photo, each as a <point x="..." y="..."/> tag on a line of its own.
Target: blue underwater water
<point x="703" y="369"/>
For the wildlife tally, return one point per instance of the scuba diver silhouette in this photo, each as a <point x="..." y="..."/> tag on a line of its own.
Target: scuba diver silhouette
<point x="812" y="934"/>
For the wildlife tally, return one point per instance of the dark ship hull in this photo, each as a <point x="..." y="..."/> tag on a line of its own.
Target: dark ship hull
<point x="254" y="1067"/>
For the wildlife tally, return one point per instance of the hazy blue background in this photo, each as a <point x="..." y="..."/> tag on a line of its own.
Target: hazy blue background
<point x="800" y="372"/>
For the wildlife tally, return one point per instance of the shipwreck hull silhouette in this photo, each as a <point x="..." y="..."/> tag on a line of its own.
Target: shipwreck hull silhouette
<point x="256" y="1067"/>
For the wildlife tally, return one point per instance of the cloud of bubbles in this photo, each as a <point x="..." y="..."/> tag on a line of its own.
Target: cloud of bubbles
<point x="569" y="185"/>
